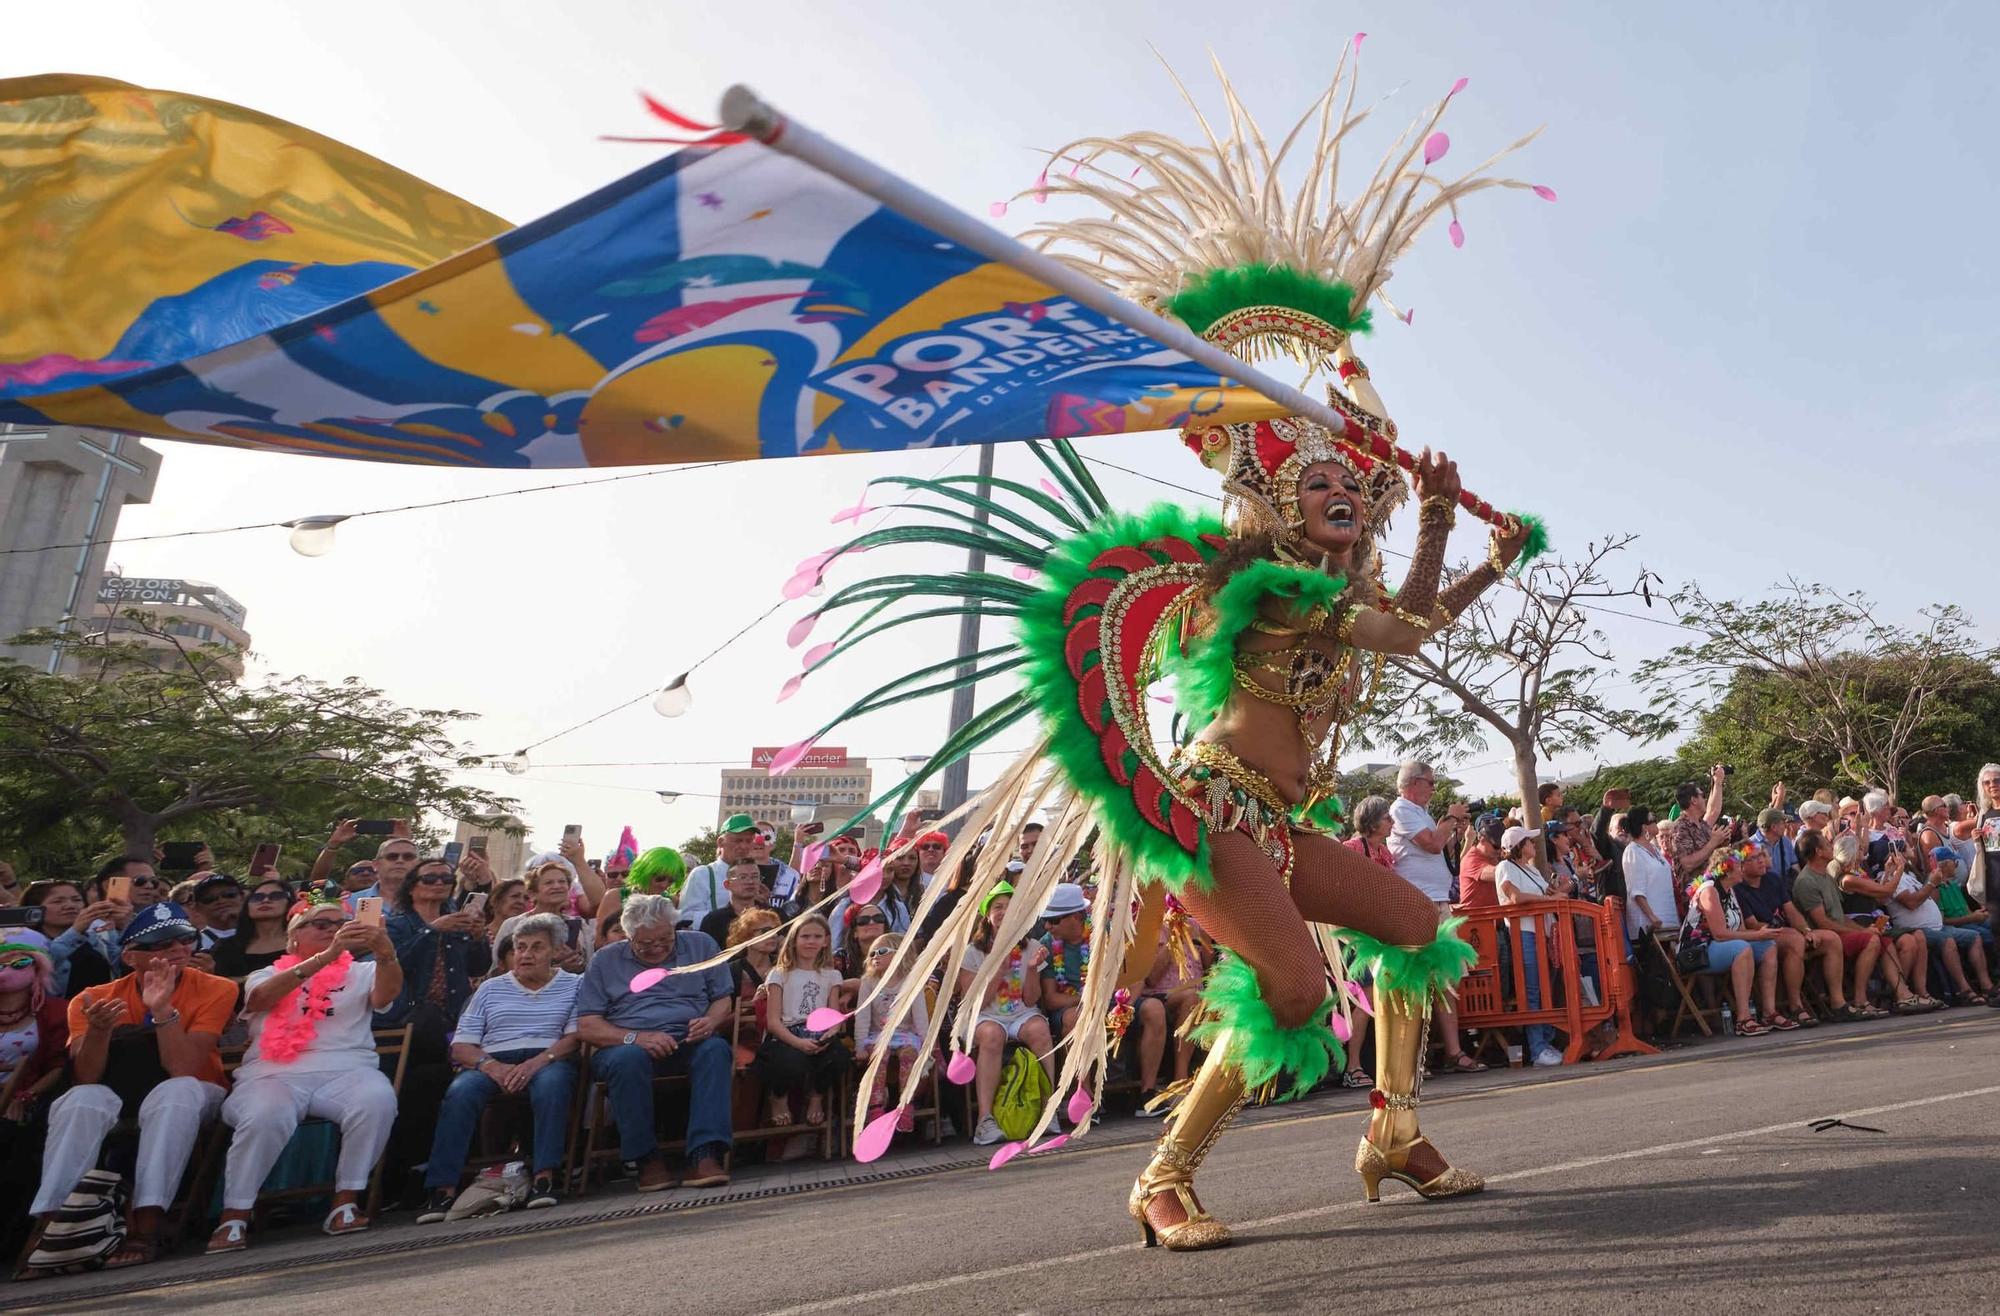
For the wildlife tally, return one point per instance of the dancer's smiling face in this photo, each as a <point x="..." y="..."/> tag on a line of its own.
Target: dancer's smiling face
<point x="1330" y="504"/>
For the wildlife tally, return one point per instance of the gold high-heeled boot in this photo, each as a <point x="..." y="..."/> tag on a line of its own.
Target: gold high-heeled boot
<point x="1211" y="1101"/>
<point x="1402" y="1030"/>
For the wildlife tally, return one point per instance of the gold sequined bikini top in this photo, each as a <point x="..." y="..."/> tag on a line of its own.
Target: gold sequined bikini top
<point x="1312" y="682"/>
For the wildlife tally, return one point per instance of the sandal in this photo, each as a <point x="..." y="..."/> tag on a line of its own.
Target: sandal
<point x="1356" y="1077"/>
<point x="781" y="1119"/>
<point x="1780" y="1024"/>
<point x="136" y="1250"/>
<point x="1464" y="1064"/>
<point x="1805" y="1019"/>
<point x="1751" y="1028"/>
<point x="1872" y="1011"/>
<point x="229" y="1236"/>
<point x="344" y="1219"/>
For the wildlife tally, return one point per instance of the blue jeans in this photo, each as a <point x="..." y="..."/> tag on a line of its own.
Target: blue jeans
<point x="458" y="1117"/>
<point x="629" y="1072"/>
<point x="1540" y="1036"/>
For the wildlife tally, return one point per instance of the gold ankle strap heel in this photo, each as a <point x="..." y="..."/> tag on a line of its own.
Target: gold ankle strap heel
<point x="1211" y="1101"/>
<point x="1384" y="1153"/>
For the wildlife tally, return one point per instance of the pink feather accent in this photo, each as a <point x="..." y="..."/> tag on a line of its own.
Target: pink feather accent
<point x="1080" y="1104"/>
<point x="800" y="585"/>
<point x="860" y="509"/>
<point x="960" y="1069"/>
<point x="866" y="883"/>
<point x="1342" y="1030"/>
<point x="810" y="856"/>
<point x="1435" y="146"/>
<point x="1360" y="998"/>
<point x="1006" y="1154"/>
<point x="1457" y="87"/>
<point x="1048" y="487"/>
<point x="825" y="1019"/>
<point x="1409" y="316"/>
<point x="875" y="1139"/>
<point x="790" y="687"/>
<point x="645" y="979"/>
<point x="997" y="209"/>
<point x="1359" y="37"/>
<point x="1025" y="573"/>
<point x="816" y="655"/>
<point x="1545" y="193"/>
<point x="1060" y="1140"/>
<point x="800" y="629"/>
<point x="788" y="758"/>
<point x="1457" y="232"/>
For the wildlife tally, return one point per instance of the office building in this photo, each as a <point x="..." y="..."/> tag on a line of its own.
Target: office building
<point x="166" y="615"/>
<point x="825" y="777"/>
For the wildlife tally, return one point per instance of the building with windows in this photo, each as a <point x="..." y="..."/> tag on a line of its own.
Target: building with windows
<point x="826" y="777"/>
<point x="61" y="492"/>
<point x="167" y="614"/>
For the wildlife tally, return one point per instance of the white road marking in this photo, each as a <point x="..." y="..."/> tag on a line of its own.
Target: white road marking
<point x="1334" y="1208"/>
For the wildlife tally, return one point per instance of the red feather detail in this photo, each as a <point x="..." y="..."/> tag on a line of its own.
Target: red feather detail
<point x="1180" y="550"/>
<point x="1146" y="790"/>
<point x="1090" y="698"/>
<point x="1114" y="745"/>
<point x="1082" y="642"/>
<point x="1187" y="827"/>
<point x="1125" y="557"/>
<point x="1140" y="619"/>
<point x="676" y="118"/>
<point x="1094" y="591"/>
<point x="1217" y="542"/>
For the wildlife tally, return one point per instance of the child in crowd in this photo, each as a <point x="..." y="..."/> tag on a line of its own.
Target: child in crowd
<point x="878" y="999"/>
<point x="802" y="980"/>
<point x="1008" y="1012"/>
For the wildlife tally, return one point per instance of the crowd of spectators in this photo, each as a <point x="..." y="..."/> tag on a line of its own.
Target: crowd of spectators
<point x="249" y="1006"/>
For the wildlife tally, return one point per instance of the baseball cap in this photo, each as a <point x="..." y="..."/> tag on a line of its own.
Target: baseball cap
<point x="1067" y="898"/>
<point x="1943" y="853"/>
<point x="1004" y="889"/>
<point x="738" y="822"/>
<point x="1771" y="818"/>
<point x="1513" y="836"/>
<point x="160" y="922"/>
<point x="1815" y="809"/>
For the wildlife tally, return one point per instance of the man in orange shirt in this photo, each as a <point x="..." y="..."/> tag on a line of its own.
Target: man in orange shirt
<point x="145" y="1041"/>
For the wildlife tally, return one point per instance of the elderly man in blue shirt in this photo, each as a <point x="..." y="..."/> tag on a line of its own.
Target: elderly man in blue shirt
<point x="676" y="1023"/>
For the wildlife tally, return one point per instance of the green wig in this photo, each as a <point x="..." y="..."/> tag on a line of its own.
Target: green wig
<point x="661" y="865"/>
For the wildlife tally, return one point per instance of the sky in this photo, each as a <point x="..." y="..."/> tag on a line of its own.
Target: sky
<point x="1757" y="330"/>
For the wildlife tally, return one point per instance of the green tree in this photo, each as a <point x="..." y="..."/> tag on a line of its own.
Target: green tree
<point x="1819" y="683"/>
<point x="115" y="753"/>
<point x="1523" y="664"/>
<point x="1651" y="782"/>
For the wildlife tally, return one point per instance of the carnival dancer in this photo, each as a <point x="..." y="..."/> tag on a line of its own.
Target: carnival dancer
<point x="1270" y="619"/>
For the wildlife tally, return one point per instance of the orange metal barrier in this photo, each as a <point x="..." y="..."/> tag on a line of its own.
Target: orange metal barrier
<point x="1484" y="998"/>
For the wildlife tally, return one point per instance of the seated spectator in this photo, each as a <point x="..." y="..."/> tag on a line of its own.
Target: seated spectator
<point x="673" y="1025"/>
<point x="1518" y="880"/>
<point x="1067" y="941"/>
<point x="1864" y="899"/>
<point x="609" y="930"/>
<point x="551" y="882"/>
<point x="880" y="994"/>
<point x="705" y="888"/>
<point x="1914" y="907"/>
<point x="144" y="1043"/>
<point x="65" y="916"/>
<point x="1007" y="1010"/>
<point x="755" y="933"/>
<point x="747" y="891"/>
<point x="517" y="1034"/>
<point x="858" y="929"/>
<point x="817" y="883"/>
<point x="1715" y="921"/>
<point x="1371" y="831"/>
<point x="508" y="900"/>
<point x="312" y="1052"/>
<point x="794" y="1057"/>
<point x="261" y="937"/>
<point x="34" y="1025"/>
<point x="1763" y="896"/>
<point x="215" y="910"/>
<point x="1816" y="900"/>
<point x="1175" y="980"/>
<point x="657" y="872"/>
<point x="1957" y="908"/>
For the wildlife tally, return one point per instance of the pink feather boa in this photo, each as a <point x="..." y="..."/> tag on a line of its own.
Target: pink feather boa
<point x="289" y="1032"/>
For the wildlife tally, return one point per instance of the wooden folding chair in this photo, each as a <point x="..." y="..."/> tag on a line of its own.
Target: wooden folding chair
<point x="1667" y="944"/>
<point x="593" y="1113"/>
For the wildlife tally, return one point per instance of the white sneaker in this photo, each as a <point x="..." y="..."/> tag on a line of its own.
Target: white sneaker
<point x="987" y="1133"/>
<point x="1547" y="1056"/>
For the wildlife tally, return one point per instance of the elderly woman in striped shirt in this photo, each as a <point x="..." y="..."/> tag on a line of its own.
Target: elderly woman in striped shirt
<point x="517" y="1034"/>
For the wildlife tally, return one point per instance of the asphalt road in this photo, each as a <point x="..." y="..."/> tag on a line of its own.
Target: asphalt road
<point x="1692" y="1182"/>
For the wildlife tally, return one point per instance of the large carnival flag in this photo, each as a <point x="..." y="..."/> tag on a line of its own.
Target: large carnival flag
<point x="183" y="268"/>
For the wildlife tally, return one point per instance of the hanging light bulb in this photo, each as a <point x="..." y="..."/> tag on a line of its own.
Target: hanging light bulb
<point x="675" y="699"/>
<point x="312" y="536"/>
<point x="911" y="762"/>
<point x="669" y="797"/>
<point x="516" y="763"/>
<point x="803" y="813"/>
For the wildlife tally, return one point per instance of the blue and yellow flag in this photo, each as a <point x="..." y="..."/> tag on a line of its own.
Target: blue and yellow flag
<point x="182" y="268"/>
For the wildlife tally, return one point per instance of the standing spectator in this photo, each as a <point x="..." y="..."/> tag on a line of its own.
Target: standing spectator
<point x="359" y="879"/>
<point x="10" y="884"/>
<point x="1816" y="899"/>
<point x="104" y="932"/>
<point x="1781" y="853"/>
<point x="312" y="1052"/>
<point x="657" y="872"/>
<point x="552" y="880"/>
<point x="217" y="905"/>
<point x="670" y="1025"/>
<point x="793" y="1056"/>
<point x="517" y="1034"/>
<point x="1914" y="907"/>
<point x="1692" y="839"/>
<point x="706" y="887"/>
<point x="879" y="997"/>
<point x="1031" y="836"/>
<point x="814" y="886"/>
<point x="1979" y="882"/>
<point x="1609" y="846"/>
<point x="261" y="938"/>
<point x="1008" y="1010"/>
<point x="1714" y="921"/>
<point x="1815" y="815"/>
<point x="394" y="859"/>
<point x="1649" y="877"/>
<point x="1417" y="845"/>
<point x="747" y="891"/>
<point x="1476" y="889"/>
<point x="780" y="878"/>
<point x="930" y="853"/>
<point x="1518" y="880"/>
<point x="902" y="888"/>
<point x="475" y="878"/>
<point x="64" y="918"/>
<point x="1371" y="831"/>
<point x="344" y="831"/>
<point x="144" y="1044"/>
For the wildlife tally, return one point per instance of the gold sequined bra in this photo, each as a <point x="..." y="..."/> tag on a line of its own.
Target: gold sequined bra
<point x="1311" y="682"/>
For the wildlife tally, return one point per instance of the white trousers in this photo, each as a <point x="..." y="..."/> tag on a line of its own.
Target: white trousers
<point x="170" y="1119"/>
<point x="266" y="1111"/>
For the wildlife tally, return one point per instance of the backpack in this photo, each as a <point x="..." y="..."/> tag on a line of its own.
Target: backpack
<point x="1024" y="1090"/>
<point x="88" y="1227"/>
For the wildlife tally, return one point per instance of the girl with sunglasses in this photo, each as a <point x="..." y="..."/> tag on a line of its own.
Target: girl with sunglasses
<point x="260" y="938"/>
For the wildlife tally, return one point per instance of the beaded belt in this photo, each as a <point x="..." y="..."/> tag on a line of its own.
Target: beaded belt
<point x="1230" y="795"/>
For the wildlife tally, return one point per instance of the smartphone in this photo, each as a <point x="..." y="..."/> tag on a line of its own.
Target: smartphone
<point x="368" y="911"/>
<point x="475" y="903"/>
<point x="1728" y="769"/>
<point x="811" y="829"/>
<point x="179" y="856"/>
<point x="477" y="845"/>
<point x="21" y="916"/>
<point x="454" y="852"/>
<point x="118" y="888"/>
<point x="572" y="831"/>
<point x="264" y="858"/>
<point x="375" y="827"/>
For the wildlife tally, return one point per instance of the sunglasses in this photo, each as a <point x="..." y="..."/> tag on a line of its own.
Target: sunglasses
<point x="25" y="962"/>
<point x="872" y="918"/>
<point x="324" y="924"/>
<point x="147" y="881"/>
<point x="409" y="857"/>
<point x="930" y="845"/>
<point x="435" y="877"/>
<point x="162" y="943"/>
<point x="361" y="870"/>
<point x="270" y="895"/>
<point x="881" y="954"/>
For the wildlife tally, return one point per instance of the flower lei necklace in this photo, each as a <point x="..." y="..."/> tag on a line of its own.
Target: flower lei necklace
<point x="287" y="1034"/>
